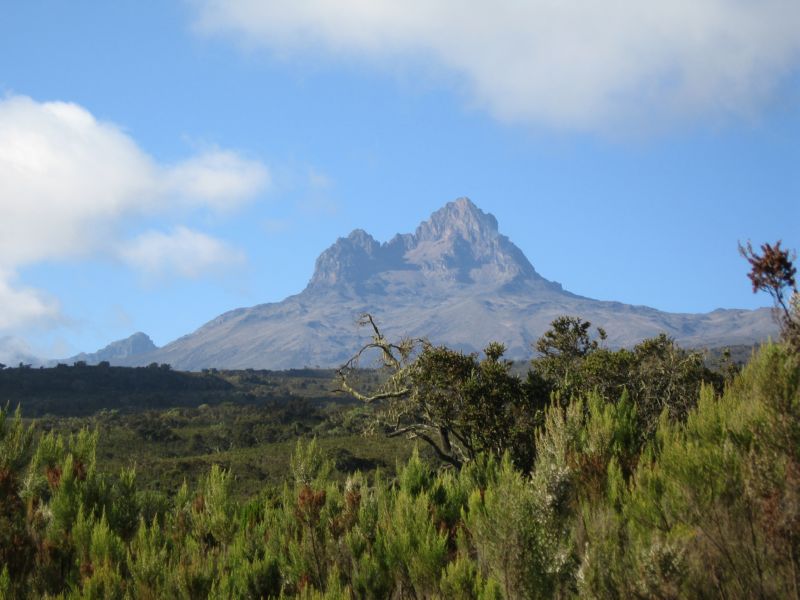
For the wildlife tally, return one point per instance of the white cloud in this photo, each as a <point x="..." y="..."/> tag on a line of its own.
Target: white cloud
<point x="21" y="306"/>
<point x="566" y="63"/>
<point x="68" y="181"/>
<point x="182" y="252"/>
<point x="221" y="179"/>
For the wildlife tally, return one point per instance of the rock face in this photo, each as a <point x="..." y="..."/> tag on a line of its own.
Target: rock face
<point x="456" y="281"/>
<point x="459" y="246"/>
<point x="119" y="352"/>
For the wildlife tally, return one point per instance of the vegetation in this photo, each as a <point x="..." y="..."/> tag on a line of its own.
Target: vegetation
<point x="600" y="474"/>
<point x="461" y="406"/>
<point x="82" y="390"/>
<point x="252" y="441"/>
<point x="458" y="405"/>
<point x="708" y="506"/>
<point x="773" y="272"/>
<point x="174" y="426"/>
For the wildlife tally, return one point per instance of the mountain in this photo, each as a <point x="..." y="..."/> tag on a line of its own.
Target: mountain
<point x="120" y="352"/>
<point x="456" y="280"/>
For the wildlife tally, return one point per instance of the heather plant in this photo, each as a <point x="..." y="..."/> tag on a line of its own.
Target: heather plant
<point x="711" y="508"/>
<point x="148" y="559"/>
<point x="16" y="543"/>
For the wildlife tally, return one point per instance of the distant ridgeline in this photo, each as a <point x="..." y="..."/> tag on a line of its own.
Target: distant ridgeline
<point x="82" y="389"/>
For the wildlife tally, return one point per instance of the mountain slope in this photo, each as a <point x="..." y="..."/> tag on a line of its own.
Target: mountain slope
<point x="456" y="281"/>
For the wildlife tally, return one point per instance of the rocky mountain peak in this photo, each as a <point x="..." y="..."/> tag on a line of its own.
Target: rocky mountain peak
<point x="118" y="352"/>
<point x="460" y="218"/>
<point x="138" y="343"/>
<point x="346" y="259"/>
<point x="359" y="238"/>
<point x="462" y="243"/>
<point x="458" y="243"/>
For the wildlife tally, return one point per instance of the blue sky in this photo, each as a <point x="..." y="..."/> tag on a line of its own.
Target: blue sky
<point x="161" y="163"/>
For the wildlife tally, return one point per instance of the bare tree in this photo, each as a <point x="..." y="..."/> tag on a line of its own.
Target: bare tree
<point x="394" y="359"/>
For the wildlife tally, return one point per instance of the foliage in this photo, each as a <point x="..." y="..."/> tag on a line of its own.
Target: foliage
<point x="773" y="272"/>
<point x="460" y="406"/>
<point x="709" y="506"/>
<point x="80" y="390"/>
<point x="255" y="441"/>
<point x="563" y="348"/>
<point x="656" y="376"/>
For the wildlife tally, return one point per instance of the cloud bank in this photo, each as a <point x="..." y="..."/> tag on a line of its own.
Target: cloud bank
<point x="182" y="252"/>
<point x="22" y="306"/>
<point x="69" y="181"/>
<point x="14" y="350"/>
<point x="570" y="64"/>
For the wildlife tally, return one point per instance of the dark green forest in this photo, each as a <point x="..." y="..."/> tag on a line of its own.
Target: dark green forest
<point x="648" y="472"/>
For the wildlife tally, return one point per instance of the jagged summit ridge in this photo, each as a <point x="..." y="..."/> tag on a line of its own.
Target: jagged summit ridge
<point x="459" y="242"/>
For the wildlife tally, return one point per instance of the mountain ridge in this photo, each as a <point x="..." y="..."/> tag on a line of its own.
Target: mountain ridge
<point x="117" y="351"/>
<point x="456" y="281"/>
<point x="458" y="243"/>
